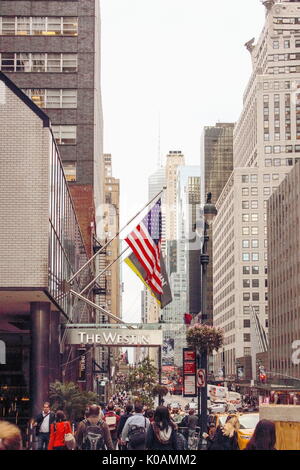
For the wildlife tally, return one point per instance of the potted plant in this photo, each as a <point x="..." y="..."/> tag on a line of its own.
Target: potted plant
<point x="205" y="338"/>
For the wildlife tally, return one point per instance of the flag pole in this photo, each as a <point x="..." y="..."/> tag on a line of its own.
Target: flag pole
<point x="97" y="307"/>
<point x="102" y="272"/>
<point x="107" y="243"/>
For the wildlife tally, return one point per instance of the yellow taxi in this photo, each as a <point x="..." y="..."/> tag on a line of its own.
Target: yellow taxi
<point x="248" y="422"/>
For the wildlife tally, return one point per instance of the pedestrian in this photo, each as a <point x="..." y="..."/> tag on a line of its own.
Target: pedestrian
<point x="93" y="432"/>
<point x="264" y="436"/>
<point x="161" y="434"/>
<point x="150" y="415"/>
<point x="10" y="436"/>
<point x="58" y="431"/>
<point x="135" y="429"/>
<point x="226" y="437"/>
<point x="42" y="423"/>
<point x="210" y="436"/>
<point x="112" y="420"/>
<point x="128" y="413"/>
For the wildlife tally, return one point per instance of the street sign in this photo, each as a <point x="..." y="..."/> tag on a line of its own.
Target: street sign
<point x="189" y="372"/>
<point x="116" y="337"/>
<point x="201" y="379"/>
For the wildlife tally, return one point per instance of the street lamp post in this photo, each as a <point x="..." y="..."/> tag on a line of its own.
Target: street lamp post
<point x="210" y="212"/>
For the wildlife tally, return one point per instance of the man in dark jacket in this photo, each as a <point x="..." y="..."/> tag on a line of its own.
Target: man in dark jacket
<point x="42" y="423"/>
<point x="123" y="419"/>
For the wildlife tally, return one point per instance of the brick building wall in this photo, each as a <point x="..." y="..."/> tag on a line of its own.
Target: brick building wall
<point x="24" y="163"/>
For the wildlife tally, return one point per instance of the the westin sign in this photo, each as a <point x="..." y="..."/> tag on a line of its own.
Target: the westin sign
<point x="115" y="337"/>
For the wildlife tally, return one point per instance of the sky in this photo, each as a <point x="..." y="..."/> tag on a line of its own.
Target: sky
<point x="169" y="68"/>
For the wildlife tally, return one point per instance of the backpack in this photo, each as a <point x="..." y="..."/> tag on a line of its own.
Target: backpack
<point x="111" y="422"/>
<point x="137" y="435"/>
<point x="93" y="436"/>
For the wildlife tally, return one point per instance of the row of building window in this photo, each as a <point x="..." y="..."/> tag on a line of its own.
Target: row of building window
<point x="286" y="69"/>
<point x="38" y="26"/>
<point x="53" y="98"/>
<point x="254" y="270"/>
<point x="282" y="148"/>
<point x="255" y="283"/>
<point x="38" y="62"/>
<point x="286" y="20"/>
<point x="254" y="243"/>
<point x="250" y="256"/>
<point x="64" y="134"/>
<point x="252" y="230"/>
<point x="280" y="161"/>
<point x="254" y="191"/>
<point x="278" y="57"/>
<point x="266" y="178"/>
<point x="278" y="85"/>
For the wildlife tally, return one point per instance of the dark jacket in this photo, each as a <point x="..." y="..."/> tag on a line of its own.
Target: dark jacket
<point x="122" y="422"/>
<point x="153" y="443"/>
<point x="39" y="419"/>
<point x="222" y="442"/>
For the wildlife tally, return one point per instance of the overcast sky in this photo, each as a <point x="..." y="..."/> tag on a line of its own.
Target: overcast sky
<point x="178" y="62"/>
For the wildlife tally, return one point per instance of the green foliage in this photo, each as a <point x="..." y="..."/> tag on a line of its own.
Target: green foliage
<point x="69" y="398"/>
<point x="141" y="381"/>
<point x="205" y="338"/>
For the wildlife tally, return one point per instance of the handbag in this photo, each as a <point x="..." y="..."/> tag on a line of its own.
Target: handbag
<point x="70" y="442"/>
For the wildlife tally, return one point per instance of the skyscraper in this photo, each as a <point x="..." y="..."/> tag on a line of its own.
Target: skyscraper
<point x="216" y="167"/>
<point x="51" y="50"/>
<point x="265" y="148"/>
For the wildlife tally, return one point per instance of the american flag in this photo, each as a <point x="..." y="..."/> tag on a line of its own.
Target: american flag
<point x="145" y="242"/>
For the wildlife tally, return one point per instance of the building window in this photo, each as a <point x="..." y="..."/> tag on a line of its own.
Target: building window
<point x="246" y="256"/>
<point x="254" y="230"/>
<point x="266" y="178"/>
<point x="247" y="351"/>
<point x="268" y="149"/>
<point x="245" y="204"/>
<point x="65" y="135"/>
<point x="255" y="283"/>
<point x="267" y="191"/>
<point x="245" y="217"/>
<point x="246" y="244"/>
<point x="268" y="162"/>
<point x="53" y="98"/>
<point x="245" y="178"/>
<point x="246" y="269"/>
<point x="255" y="296"/>
<point x="245" y="191"/>
<point x="246" y="283"/>
<point x="38" y="26"/>
<point x="286" y="44"/>
<point x="275" y="44"/>
<point x="245" y="231"/>
<point x="254" y="243"/>
<point x="255" y="269"/>
<point x="247" y="337"/>
<point x="246" y="310"/>
<point x="70" y="171"/>
<point x="275" y="177"/>
<point x="255" y="256"/>
<point x="246" y="296"/>
<point x="254" y="191"/>
<point x="247" y="323"/>
<point x="254" y="204"/>
<point x="254" y="217"/>
<point x="253" y="178"/>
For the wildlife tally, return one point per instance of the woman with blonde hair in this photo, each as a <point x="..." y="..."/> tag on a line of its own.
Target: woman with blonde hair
<point x="10" y="436"/>
<point x="226" y="437"/>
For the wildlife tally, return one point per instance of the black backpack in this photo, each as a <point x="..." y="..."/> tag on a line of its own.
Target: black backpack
<point x="93" y="436"/>
<point x="137" y="435"/>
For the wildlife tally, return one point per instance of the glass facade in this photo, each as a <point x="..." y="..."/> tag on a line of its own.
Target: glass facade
<point x="66" y="249"/>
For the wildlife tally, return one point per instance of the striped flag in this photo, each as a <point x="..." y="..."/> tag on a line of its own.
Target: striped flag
<point x="145" y="242"/>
